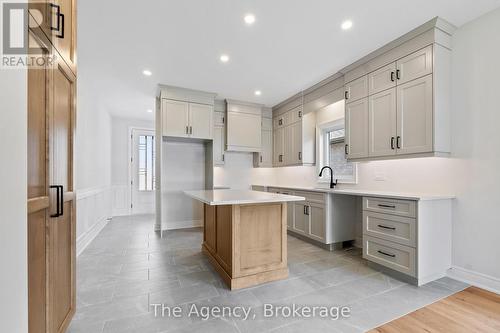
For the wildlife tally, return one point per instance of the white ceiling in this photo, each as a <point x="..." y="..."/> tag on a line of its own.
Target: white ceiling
<point x="292" y="45"/>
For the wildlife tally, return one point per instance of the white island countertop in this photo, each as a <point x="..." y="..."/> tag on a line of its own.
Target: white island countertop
<point x="239" y="197"/>
<point x="368" y="193"/>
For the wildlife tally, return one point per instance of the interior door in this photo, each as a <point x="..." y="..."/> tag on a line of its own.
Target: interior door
<point x="61" y="225"/>
<point x="200" y="121"/>
<point x="38" y="199"/>
<point x="175" y="116"/>
<point x="382" y="123"/>
<point x="143" y="171"/>
<point x="415" y="113"/>
<point x="356" y="125"/>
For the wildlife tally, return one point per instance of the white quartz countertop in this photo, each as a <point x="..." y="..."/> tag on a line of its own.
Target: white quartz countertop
<point x="372" y="193"/>
<point x="239" y="197"/>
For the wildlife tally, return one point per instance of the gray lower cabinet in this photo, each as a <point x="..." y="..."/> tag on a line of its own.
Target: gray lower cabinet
<point x="301" y="220"/>
<point x="411" y="237"/>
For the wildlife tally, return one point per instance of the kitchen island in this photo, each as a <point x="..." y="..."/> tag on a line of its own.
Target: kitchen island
<point x="245" y="234"/>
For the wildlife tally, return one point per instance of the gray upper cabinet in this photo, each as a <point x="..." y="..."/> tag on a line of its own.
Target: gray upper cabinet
<point x="244" y="126"/>
<point x="264" y="159"/>
<point x="382" y="123"/>
<point x="175" y="118"/>
<point x="356" y="89"/>
<point x="219" y="137"/>
<point x="415" y="65"/>
<point x="415" y="116"/>
<point x="382" y="79"/>
<point x="356" y="124"/>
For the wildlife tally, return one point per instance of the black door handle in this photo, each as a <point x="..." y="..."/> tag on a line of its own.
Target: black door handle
<point x="398" y="74"/>
<point x="59" y="200"/>
<point x="398" y="142"/>
<point x="392" y="142"/>
<point x="346" y="148"/>
<point x="392" y="76"/>
<point x="60" y="21"/>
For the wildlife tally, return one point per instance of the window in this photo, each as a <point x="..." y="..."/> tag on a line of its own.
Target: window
<point x="146" y="161"/>
<point x="332" y="153"/>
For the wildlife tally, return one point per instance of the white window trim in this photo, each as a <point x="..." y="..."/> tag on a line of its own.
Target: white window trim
<point x="322" y="151"/>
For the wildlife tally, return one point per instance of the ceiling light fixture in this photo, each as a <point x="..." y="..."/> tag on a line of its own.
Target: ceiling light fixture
<point x="258" y="93"/>
<point x="149" y="111"/>
<point x="249" y="19"/>
<point x="147" y="72"/>
<point x="224" y="58"/>
<point x="346" y="25"/>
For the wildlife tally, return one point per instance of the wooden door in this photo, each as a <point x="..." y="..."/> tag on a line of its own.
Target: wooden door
<point x="317" y="217"/>
<point x="415" y="65"/>
<point x="61" y="250"/>
<point x="175" y="116"/>
<point x="415" y="116"/>
<point x="382" y="123"/>
<point x="382" y="79"/>
<point x="200" y="121"/>
<point x="356" y="125"/>
<point x="64" y="39"/>
<point x="356" y="89"/>
<point x="38" y="196"/>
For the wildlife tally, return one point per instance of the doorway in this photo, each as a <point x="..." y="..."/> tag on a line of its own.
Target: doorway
<point x="142" y="171"/>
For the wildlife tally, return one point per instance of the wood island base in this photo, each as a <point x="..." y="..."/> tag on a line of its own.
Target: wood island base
<point x="246" y="244"/>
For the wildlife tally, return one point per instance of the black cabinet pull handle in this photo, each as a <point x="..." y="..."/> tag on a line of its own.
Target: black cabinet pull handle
<point x="346" y="95"/>
<point x="387" y="206"/>
<point x="300" y="156"/>
<point x="187" y="129"/>
<point x="60" y="21"/>
<point x="398" y="74"/>
<point x="385" y="227"/>
<point x="300" y="114"/>
<point x="59" y="200"/>
<point x="387" y="254"/>
<point x="392" y="142"/>
<point x="392" y="77"/>
<point x="398" y="142"/>
<point x="260" y="158"/>
<point x="346" y="149"/>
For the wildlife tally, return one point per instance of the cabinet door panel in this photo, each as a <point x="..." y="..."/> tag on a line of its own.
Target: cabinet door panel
<point x="278" y="145"/>
<point x="356" y="122"/>
<point x="414" y="114"/>
<point x="267" y="149"/>
<point x="296" y="152"/>
<point x="244" y="131"/>
<point x="318" y="223"/>
<point x="382" y="79"/>
<point x="218" y="145"/>
<point x="382" y="123"/>
<point x="175" y="118"/>
<point x="415" y="65"/>
<point x="64" y="39"/>
<point x="301" y="220"/>
<point x="356" y="89"/>
<point x="200" y="121"/>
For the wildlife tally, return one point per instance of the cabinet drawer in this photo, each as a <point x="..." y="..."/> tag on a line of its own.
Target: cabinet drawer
<point x="390" y="227"/>
<point x="312" y="196"/>
<point x="390" y="206"/>
<point x="392" y="255"/>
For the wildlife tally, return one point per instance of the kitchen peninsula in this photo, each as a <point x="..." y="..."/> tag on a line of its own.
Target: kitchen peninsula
<point x="245" y="234"/>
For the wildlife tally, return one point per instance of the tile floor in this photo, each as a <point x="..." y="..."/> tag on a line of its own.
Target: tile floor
<point x="127" y="267"/>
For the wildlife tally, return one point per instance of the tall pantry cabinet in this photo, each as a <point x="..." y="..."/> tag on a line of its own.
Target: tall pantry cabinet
<point x="51" y="195"/>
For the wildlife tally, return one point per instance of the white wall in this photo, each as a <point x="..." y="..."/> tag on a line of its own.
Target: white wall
<point x="476" y="145"/>
<point x="13" y="194"/>
<point x="120" y="163"/>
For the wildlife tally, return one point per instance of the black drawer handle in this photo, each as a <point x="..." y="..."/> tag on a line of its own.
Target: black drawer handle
<point x="392" y="142"/>
<point x="387" y="206"/>
<point x="392" y="76"/>
<point x="387" y="254"/>
<point x="59" y="200"/>
<point x="385" y="227"/>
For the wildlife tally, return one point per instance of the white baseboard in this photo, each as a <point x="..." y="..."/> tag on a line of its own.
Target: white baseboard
<point x="84" y="240"/>
<point x="476" y="279"/>
<point x="180" y="225"/>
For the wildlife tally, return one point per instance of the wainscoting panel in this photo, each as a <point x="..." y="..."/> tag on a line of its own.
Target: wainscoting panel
<point x="93" y="211"/>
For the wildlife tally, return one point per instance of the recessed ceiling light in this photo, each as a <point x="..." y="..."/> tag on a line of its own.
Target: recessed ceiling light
<point x="346" y="25"/>
<point x="224" y="58"/>
<point x="258" y="92"/>
<point x="149" y="111"/>
<point x="147" y="72"/>
<point x="249" y="19"/>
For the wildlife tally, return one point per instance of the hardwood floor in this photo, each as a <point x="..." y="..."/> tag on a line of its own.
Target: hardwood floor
<point x="471" y="310"/>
